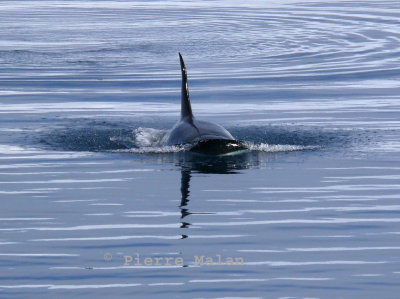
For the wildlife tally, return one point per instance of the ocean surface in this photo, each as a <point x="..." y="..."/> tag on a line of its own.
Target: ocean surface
<point x="92" y="206"/>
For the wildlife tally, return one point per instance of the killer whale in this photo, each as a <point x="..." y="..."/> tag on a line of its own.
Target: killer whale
<point x="203" y="136"/>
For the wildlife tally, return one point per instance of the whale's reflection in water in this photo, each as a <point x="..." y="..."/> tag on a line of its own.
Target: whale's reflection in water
<point x="190" y="163"/>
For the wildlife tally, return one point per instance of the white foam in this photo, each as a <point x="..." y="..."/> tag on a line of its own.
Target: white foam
<point x="152" y="150"/>
<point x="148" y="137"/>
<point x="150" y="140"/>
<point x="264" y="147"/>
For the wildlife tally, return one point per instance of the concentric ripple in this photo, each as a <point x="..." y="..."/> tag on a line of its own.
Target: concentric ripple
<point x="88" y="88"/>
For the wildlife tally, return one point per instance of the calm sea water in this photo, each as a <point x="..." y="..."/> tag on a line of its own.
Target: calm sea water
<point x="93" y="206"/>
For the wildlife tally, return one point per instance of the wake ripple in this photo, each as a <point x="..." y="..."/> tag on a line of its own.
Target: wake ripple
<point x="273" y="148"/>
<point x="149" y="141"/>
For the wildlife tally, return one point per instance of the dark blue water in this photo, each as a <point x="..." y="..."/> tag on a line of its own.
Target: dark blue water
<point x="92" y="205"/>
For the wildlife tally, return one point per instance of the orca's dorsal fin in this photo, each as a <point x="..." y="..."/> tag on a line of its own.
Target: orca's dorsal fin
<point x="186" y="108"/>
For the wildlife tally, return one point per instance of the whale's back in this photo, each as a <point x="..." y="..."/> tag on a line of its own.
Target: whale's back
<point x="185" y="132"/>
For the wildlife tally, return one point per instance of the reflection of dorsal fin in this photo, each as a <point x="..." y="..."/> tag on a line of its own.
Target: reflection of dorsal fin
<point x="186" y="108"/>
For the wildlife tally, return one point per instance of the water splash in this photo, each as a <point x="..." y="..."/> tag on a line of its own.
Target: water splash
<point x="273" y="148"/>
<point x="119" y="138"/>
<point x="152" y="150"/>
<point x="149" y="140"/>
<point x="148" y="137"/>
